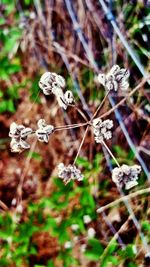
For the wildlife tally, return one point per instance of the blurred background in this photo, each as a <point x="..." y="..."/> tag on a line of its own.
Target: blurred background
<point x="53" y="224"/>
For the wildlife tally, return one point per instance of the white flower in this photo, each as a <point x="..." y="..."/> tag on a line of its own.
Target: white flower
<point x="87" y="219"/>
<point x="83" y="248"/>
<point x="102" y="129"/>
<point x="126" y="176"/>
<point x="115" y="79"/>
<point x="19" y="208"/>
<point x="134" y="249"/>
<point x="9" y="239"/>
<point x="69" y="172"/>
<point x="74" y="227"/>
<point x="147" y="107"/>
<point x="44" y="131"/>
<point x="68" y="245"/>
<point x="147" y="256"/>
<point x="75" y="239"/>
<point x="14" y="202"/>
<point x="91" y="232"/>
<point x="19" y="134"/>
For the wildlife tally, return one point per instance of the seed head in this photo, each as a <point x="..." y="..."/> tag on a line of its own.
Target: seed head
<point x="68" y="173"/>
<point x="69" y="98"/>
<point x="44" y="131"/>
<point x="51" y="82"/>
<point x="126" y="176"/>
<point x="115" y="79"/>
<point x="102" y="129"/>
<point x="19" y="134"/>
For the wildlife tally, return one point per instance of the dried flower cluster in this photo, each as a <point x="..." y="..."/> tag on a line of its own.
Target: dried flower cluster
<point x="19" y="134"/>
<point x="126" y="176"/>
<point x="44" y="131"/>
<point x="102" y="129"/>
<point x="69" y="172"/>
<point x="50" y="82"/>
<point x="115" y="79"/>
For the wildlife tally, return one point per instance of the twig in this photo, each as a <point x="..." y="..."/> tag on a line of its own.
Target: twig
<point x="100" y="106"/>
<point x="124" y="198"/>
<point x="3" y="205"/>
<point x="81" y="144"/>
<point x="111" y="154"/>
<point x="80" y="112"/>
<point x="72" y="126"/>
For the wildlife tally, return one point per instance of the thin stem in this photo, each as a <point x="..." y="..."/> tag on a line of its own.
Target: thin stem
<point x="68" y="126"/>
<point x="81" y="144"/>
<point x="80" y="111"/>
<point x="72" y="127"/>
<point x="99" y="107"/>
<point x="111" y="154"/>
<point x="124" y="198"/>
<point x="3" y="205"/>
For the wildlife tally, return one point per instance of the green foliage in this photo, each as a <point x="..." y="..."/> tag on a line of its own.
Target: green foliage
<point x="34" y="90"/>
<point x="17" y="237"/>
<point x="128" y="252"/>
<point x="95" y="249"/>
<point x="123" y="156"/>
<point x="34" y="155"/>
<point x="16" y="240"/>
<point x="10" y="62"/>
<point x="146" y="226"/>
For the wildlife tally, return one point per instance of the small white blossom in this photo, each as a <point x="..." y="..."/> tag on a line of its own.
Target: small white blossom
<point x="115" y="79"/>
<point x="147" y="107"/>
<point x="9" y="239"/>
<point x="19" y="208"/>
<point x="87" y="219"/>
<point x="74" y="227"/>
<point x="69" y="172"/>
<point x="44" y="131"/>
<point x="19" y="134"/>
<point x="126" y="176"/>
<point x="102" y="129"/>
<point x="83" y="248"/>
<point x="68" y="245"/>
<point x="91" y="232"/>
<point x="75" y="239"/>
<point x="147" y="256"/>
<point x="14" y="202"/>
<point x="134" y="249"/>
